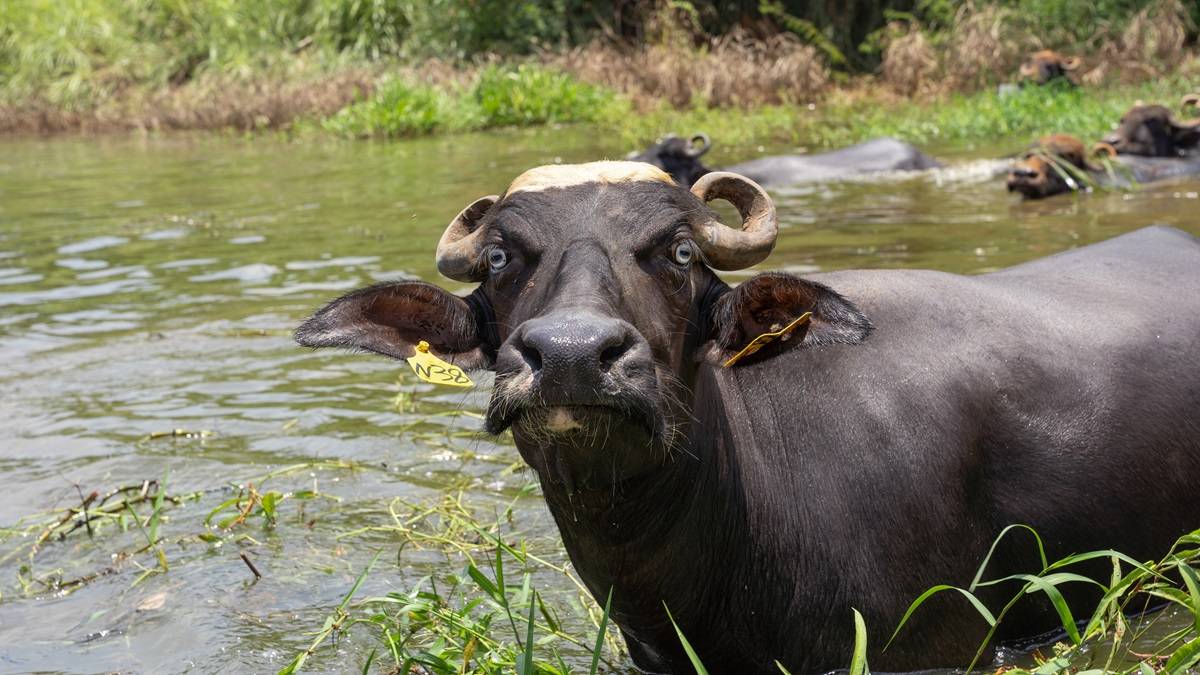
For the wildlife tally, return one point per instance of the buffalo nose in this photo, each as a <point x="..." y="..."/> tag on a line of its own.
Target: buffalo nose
<point x="574" y="349"/>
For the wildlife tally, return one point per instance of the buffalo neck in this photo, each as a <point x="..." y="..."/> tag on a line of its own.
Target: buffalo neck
<point x="678" y="535"/>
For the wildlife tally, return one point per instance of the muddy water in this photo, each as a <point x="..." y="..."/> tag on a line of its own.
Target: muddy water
<point x="147" y="287"/>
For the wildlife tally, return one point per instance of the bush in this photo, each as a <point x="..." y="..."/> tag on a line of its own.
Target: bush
<point x="499" y="97"/>
<point x="530" y="94"/>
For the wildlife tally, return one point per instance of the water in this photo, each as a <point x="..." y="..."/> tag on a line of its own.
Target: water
<point x="147" y="285"/>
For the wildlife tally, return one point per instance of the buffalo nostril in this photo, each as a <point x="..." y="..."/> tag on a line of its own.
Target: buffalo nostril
<point x="611" y="354"/>
<point x="531" y="356"/>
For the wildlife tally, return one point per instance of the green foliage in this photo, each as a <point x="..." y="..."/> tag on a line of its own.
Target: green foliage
<point x="1127" y="592"/>
<point x="501" y="96"/>
<point x="487" y="617"/>
<point x="1024" y="115"/>
<point x="401" y="109"/>
<point x="805" y="30"/>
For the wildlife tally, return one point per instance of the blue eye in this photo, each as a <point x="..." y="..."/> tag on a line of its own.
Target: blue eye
<point x="683" y="253"/>
<point x="497" y="259"/>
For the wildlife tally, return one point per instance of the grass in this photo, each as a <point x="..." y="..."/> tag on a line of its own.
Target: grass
<point x="363" y="67"/>
<point x="533" y="95"/>
<point x="1028" y="113"/>
<point x="496" y="601"/>
<point x="499" y="96"/>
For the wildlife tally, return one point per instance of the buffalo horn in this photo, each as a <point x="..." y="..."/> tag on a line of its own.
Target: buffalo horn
<point x="1191" y="101"/>
<point x="1103" y="148"/>
<point x="461" y="244"/>
<point x="705" y="144"/>
<point x="1071" y="63"/>
<point x="726" y="248"/>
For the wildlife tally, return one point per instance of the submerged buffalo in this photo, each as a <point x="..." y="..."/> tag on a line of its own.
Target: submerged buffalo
<point x="1047" y="67"/>
<point x="680" y="158"/>
<point x="875" y="450"/>
<point x="1152" y="131"/>
<point x="1060" y="163"/>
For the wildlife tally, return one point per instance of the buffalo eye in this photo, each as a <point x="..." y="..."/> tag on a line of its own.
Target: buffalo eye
<point x="683" y="253"/>
<point x="497" y="259"/>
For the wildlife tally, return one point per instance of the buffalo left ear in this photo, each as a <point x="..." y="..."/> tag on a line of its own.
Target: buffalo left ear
<point x="390" y="319"/>
<point x="768" y="302"/>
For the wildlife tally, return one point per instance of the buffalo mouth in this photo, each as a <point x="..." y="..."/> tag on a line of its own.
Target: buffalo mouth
<point x="572" y="422"/>
<point x="531" y="415"/>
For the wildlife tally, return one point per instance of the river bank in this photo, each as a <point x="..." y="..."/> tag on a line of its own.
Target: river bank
<point x="379" y="70"/>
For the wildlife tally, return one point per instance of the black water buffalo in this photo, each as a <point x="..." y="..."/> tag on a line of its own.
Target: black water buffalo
<point x="875" y="452"/>
<point x="1048" y="67"/>
<point x="1060" y="163"/>
<point x="681" y="159"/>
<point x="1152" y="131"/>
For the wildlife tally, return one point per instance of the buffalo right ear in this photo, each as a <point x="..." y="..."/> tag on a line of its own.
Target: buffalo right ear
<point x="391" y="318"/>
<point x="767" y="302"/>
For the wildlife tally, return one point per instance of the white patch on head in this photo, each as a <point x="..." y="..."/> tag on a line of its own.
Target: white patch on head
<point x="564" y="175"/>
<point x="560" y="420"/>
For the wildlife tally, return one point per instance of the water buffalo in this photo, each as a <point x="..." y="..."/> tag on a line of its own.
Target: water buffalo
<point x="872" y="452"/>
<point x="1060" y="163"/>
<point x="681" y="159"/>
<point x="1048" y="66"/>
<point x="1152" y="131"/>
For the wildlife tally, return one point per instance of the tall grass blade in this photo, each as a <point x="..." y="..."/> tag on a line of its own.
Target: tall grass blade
<point x="975" y="602"/>
<point x="996" y="542"/>
<point x="1192" y="580"/>
<point x="1184" y="658"/>
<point x="687" y="646"/>
<point x="858" y="662"/>
<point x="527" y="656"/>
<point x="600" y="636"/>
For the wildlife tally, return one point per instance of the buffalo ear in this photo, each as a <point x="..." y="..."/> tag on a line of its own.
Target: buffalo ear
<point x="768" y="302"/>
<point x="391" y="318"/>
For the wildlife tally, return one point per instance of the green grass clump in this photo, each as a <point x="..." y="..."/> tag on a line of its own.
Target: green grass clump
<point x="529" y="95"/>
<point x="401" y="109"/>
<point x="501" y="96"/>
<point x="1028" y="113"/>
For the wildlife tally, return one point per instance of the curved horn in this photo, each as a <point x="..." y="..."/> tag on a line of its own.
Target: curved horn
<point x="726" y="248"/>
<point x="1071" y="63"/>
<point x="462" y="242"/>
<point x="1191" y="101"/>
<point x="1193" y="123"/>
<point x="705" y="144"/>
<point x="1104" y="148"/>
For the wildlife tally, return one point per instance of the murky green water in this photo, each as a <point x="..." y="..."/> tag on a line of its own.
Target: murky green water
<point x="147" y="285"/>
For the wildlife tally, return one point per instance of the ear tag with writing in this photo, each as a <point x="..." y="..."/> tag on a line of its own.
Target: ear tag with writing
<point x="767" y="338"/>
<point x="432" y="369"/>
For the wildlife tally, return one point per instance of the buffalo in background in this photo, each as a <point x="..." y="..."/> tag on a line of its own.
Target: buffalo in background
<point x="1148" y="145"/>
<point x="1048" y="67"/>
<point x="680" y="158"/>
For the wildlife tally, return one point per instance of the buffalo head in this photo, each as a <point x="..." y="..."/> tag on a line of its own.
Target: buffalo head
<point x="596" y="305"/>
<point x="1048" y="66"/>
<point x="679" y="157"/>
<point x="1151" y="131"/>
<point x="1046" y="169"/>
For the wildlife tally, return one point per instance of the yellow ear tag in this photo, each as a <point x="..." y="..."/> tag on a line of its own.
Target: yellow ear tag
<point x="767" y="338"/>
<point x="432" y="369"/>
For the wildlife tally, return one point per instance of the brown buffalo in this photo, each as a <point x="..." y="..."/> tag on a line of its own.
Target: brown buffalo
<point x="1048" y="66"/>
<point x="1152" y="131"/>
<point x="1043" y="171"/>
